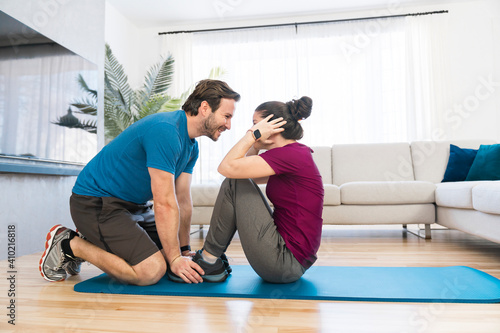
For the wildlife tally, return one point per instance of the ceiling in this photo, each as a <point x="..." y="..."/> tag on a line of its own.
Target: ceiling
<point x="13" y="32"/>
<point x="155" y="13"/>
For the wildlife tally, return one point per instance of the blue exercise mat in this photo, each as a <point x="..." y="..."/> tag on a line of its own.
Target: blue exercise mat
<point x="456" y="284"/>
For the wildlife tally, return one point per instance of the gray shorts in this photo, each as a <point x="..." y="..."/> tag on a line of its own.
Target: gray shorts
<point x="120" y="227"/>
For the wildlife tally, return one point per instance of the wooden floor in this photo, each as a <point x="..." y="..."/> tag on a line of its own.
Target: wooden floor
<point x="54" y="307"/>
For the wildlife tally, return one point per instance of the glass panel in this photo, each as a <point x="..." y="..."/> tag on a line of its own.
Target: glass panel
<point x="38" y="85"/>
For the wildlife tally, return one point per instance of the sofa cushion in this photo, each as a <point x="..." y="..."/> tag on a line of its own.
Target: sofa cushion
<point x="204" y="194"/>
<point x="486" y="197"/>
<point x="459" y="164"/>
<point x="332" y="195"/>
<point x="322" y="156"/>
<point x="486" y="165"/>
<point x="331" y="198"/>
<point x="431" y="157"/>
<point x="455" y="195"/>
<point x="371" y="162"/>
<point x="387" y="193"/>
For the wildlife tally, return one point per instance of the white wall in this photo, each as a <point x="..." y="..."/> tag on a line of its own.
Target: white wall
<point x="474" y="59"/>
<point x="34" y="203"/>
<point x="136" y="49"/>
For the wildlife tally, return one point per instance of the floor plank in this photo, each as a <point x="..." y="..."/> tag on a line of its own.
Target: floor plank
<point x="54" y="307"/>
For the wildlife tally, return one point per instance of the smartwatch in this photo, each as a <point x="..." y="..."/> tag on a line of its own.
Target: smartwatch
<point x="256" y="135"/>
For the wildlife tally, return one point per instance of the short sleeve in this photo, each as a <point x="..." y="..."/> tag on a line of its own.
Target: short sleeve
<point x="282" y="160"/>
<point x="192" y="161"/>
<point x="162" y="146"/>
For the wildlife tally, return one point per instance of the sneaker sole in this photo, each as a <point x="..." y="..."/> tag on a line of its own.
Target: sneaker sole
<point x="48" y="244"/>
<point x="216" y="278"/>
<point x="211" y="278"/>
<point x="175" y="278"/>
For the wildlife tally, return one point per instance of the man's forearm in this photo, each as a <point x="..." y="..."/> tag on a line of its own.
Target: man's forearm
<point x="167" y="224"/>
<point x="186" y="212"/>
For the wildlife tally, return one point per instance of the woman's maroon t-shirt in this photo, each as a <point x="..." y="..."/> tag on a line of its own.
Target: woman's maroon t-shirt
<point x="296" y="192"/>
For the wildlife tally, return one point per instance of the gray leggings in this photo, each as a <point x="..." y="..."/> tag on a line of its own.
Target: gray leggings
<point x="241" y="206"/>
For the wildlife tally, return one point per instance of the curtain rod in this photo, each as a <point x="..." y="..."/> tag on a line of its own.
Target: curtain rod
<point x="301" y="23"/>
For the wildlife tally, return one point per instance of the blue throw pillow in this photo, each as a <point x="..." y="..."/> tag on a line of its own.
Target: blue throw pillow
<point x="459" y="164"/>
<point x="486" y="165"/>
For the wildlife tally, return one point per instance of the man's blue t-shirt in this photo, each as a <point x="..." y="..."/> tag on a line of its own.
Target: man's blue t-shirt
<point x="120" y="169"/>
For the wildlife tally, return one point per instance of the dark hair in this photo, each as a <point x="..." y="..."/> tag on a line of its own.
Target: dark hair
<point x="210" y="91"/>
<point x="293" y="112"/>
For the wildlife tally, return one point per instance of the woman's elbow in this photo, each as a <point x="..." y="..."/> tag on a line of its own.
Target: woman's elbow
<point x="222" y="169"/>
<point x="226" y="170"/>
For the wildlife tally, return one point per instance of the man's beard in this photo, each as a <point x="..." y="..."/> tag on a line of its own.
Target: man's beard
<point x="210" y="128"/>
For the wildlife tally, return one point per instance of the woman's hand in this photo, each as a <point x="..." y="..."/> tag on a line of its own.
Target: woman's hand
<point x="269" y="127"/>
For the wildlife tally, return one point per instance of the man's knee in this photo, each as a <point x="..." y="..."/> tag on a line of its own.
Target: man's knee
<point x="151" y="270"/>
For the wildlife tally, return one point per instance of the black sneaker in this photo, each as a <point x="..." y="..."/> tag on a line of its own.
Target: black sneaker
<point x="172" y="276"/>
<point x="215" y="272"/>
<point x="226" y="263"/>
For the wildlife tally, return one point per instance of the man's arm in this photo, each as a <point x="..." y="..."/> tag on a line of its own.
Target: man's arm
<point x="167" y="218"/>
<point x="183" y="192"/>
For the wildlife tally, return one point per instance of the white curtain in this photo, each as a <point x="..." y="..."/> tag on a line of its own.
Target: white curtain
<point x="37" y="85"/>
<point x="180" y="47"/>
<point x="370" y="81"/>
<point x="426" y="77"/>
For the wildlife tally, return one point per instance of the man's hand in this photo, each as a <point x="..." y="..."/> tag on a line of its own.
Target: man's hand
<point x="187" y="269"/>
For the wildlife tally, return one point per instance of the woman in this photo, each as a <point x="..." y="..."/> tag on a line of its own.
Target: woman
<point x="281" y="245"/>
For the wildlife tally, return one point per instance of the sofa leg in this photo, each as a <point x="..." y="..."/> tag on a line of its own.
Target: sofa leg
<point x="427" y="234"/>
<point x="199" y="231"/>
<point x="427" y="231"/>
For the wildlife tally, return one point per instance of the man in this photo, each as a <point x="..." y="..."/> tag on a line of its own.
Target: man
<point x="152" y="159"/>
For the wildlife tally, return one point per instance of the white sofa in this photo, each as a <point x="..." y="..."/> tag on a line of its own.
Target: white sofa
<point x="394" y="183"/>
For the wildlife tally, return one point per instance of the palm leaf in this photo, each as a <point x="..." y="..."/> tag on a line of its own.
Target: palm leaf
<point x="85" y="87"/>
<point x="85" y="106"/>
<point x="116" y="121"/>
<point x="90" y="126"/>
<point x="115" y="96"/>
<point x="216" y="73"/>
<point x="172" y="104"/>
<point x="157" y="81"/>
<point x="162" y="77"/>
<point x="116" y="77"/>
<point x="153" y="105"/>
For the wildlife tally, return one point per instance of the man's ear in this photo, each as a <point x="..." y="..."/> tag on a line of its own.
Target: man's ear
<point x="205" y="109"/>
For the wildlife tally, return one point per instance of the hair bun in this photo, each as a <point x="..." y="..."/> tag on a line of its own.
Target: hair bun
<point x="300" y="108"/>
